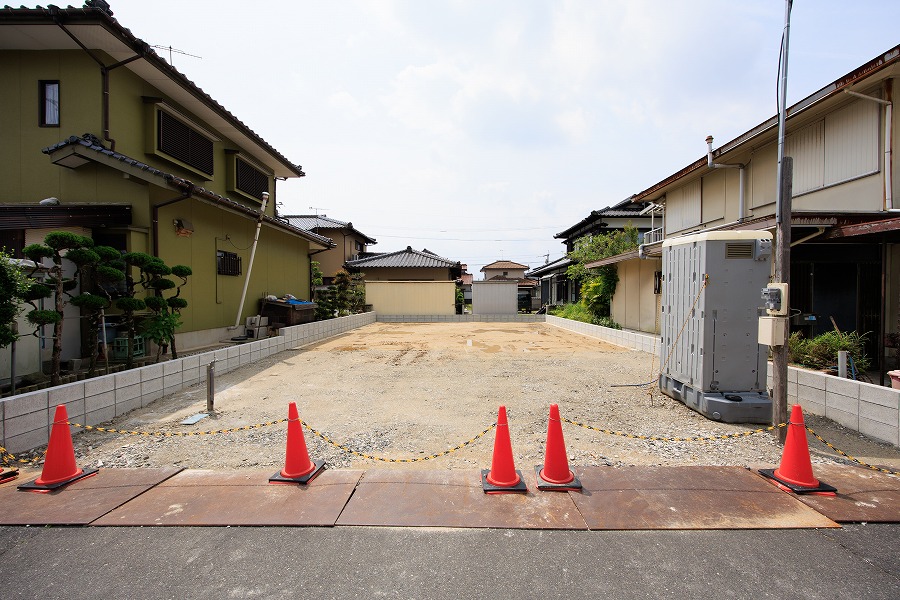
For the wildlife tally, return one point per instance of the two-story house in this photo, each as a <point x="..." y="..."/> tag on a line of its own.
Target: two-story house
<point x="351" y="243"/>
<point x="501" y="270"/>
<point x="103" y="137"/>
<point x="845" y="257"/>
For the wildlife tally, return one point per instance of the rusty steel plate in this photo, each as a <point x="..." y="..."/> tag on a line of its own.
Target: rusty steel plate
<point x="219" y="498"/>
<point x="863" y="495"/>
<point x="688" y="498"/>
<point x="80" y="502"/>
<point x="414" y="498"/>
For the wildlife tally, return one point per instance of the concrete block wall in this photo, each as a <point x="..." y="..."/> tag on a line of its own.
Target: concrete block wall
<point x="636" y="340"/>
<point x="509" y="318"/>
<point x="870" y="409"/>
<point x="25" y="419"/>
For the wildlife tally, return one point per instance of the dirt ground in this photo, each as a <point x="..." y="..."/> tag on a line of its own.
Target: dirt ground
<point x="409" y="390"/>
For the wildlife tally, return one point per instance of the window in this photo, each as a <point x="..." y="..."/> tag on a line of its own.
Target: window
<point x="182" y="142"/>
<point x="227" y="263"/>
<point x="48" y="91"/>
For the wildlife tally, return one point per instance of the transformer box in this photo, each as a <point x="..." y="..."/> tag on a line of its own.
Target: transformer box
<point x="710" y="356"/>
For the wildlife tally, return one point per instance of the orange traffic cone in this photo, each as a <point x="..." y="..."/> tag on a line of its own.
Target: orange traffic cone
<point x="502" y="477"/>
<point x="297" y="466"/>
<point x="59" y="463"/>
<point x="555" y="474"/>
<point x="795" y="473"/>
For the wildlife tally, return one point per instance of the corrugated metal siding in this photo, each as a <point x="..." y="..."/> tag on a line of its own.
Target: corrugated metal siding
<point x="807" y="147"/>
<point x="852" y="142"/>
<point x="842" y="146"/>
<point x="683" y="207"/>
<point x="412" y="297"/>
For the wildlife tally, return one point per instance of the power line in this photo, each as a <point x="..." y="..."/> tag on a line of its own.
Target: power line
<point x="442" y="239"/>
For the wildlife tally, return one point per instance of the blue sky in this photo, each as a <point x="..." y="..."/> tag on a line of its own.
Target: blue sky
<point x="478" y="130"/>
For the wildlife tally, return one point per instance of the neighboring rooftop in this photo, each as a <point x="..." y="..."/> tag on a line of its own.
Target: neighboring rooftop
<point x="403" y="259"/>
<point x="559" y="263"/>
<point x="74" y="151"/>
<point x="626" y="209"/>
<point x="504" y="264"/>
<point x="316" y="222"/>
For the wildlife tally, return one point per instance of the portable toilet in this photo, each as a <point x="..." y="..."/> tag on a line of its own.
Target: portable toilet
<point x="710" y="356"/>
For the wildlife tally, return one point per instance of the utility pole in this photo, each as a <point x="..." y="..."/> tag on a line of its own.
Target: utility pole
<point x="782" y="237"/>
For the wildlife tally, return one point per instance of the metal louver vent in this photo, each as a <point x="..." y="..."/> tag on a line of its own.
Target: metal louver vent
<point x="180" y="141"/>
<point x="249" y="179"/>
<point x="738" y="250"/>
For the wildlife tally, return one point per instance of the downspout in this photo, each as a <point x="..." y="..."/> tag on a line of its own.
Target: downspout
<point x="714" y="165"/>
<point x="154" y="221"/>
<point x="262" y="214"/>
<point x="104" y="77"/>
<point x="888" y="141"/>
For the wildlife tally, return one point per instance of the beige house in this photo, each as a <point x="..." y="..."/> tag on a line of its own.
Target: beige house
<point x="845" y="232"/>
<point x="505" y="269"/>
<point x="351" y="244"/>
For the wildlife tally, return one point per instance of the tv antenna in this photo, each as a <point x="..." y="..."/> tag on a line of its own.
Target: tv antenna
<point x="317" y="209"/>
<point x="171" y="50"/>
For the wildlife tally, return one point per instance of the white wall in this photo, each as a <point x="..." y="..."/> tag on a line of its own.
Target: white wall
<point x="495" y="297"/>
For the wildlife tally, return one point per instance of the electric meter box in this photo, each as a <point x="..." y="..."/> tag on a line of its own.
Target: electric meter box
<point x="710" y="352"/>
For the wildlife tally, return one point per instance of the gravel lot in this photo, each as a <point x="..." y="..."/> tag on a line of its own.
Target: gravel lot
<point x="410" y="390"/>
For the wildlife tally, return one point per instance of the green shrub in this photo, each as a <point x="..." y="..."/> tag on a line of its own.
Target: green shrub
<point x="821" y="352"/>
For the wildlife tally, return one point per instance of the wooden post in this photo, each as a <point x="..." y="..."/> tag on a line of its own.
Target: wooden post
<point x="782" y="275"/>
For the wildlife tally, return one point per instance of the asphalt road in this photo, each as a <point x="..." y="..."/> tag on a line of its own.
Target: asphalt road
<point x="858" y="561"/>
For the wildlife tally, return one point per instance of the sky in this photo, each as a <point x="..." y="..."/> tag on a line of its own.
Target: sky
<point x="478" y="130"/>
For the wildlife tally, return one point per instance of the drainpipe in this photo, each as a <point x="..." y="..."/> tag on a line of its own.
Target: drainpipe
<point x="104" y="76"/>
<point x="154" y="221"/>
<point x="715" y="165"/>
<point x="262" y="214"/>
<point x="888" y="142"/>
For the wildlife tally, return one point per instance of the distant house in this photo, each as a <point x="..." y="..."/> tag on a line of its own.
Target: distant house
<point x="406" y="265"/>
<point x="507" y="270"/>
<point x="351" y="243"/>
<point x="466" y="280"/>
<point x="556" y="288"/>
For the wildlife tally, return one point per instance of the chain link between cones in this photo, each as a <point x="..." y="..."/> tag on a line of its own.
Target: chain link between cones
<point x="725" y="436"/>
<point x="398" y="460"/>
<point x="8" y="459"/>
